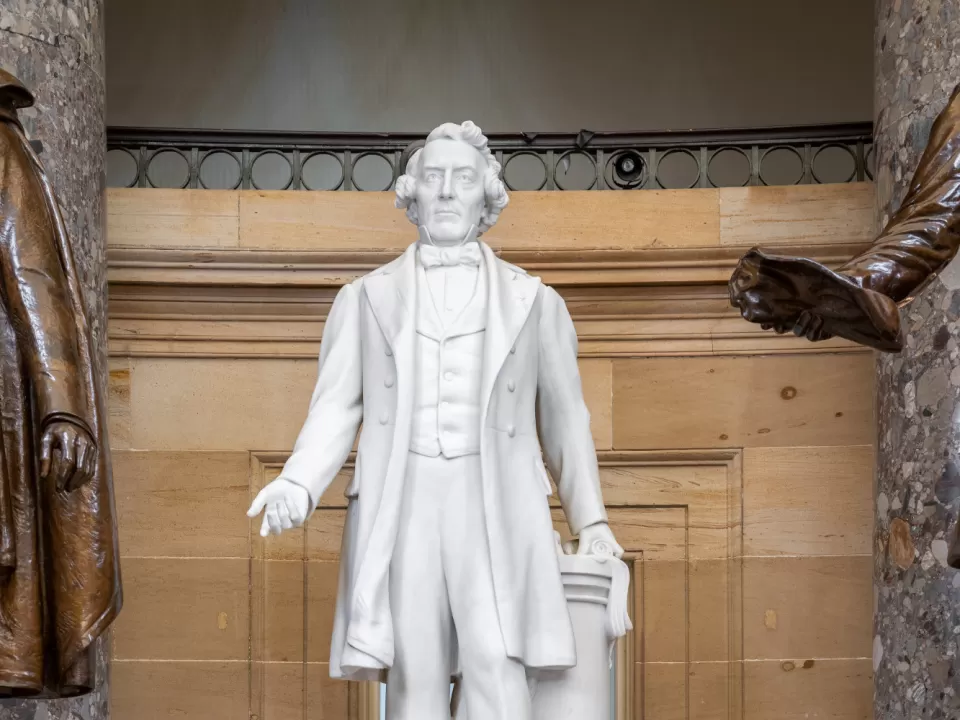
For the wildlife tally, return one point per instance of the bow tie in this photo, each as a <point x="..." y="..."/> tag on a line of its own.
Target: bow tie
<point x="432" y="256"/>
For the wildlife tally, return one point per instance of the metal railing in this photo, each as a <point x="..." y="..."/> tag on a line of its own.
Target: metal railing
<point x="139" y="157"/>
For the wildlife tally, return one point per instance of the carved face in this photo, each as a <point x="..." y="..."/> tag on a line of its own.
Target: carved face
<point x="450" y="196"/>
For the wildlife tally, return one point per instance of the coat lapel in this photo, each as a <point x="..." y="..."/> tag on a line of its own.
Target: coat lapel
<point x="510" y="298"/>
<point x="392" y="291"/>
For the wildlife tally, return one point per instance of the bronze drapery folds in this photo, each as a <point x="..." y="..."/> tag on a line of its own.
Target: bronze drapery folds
<point x="860" y="300"/>
<point x="59" y="561"/>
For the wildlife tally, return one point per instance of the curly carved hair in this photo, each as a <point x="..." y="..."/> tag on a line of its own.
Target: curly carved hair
<point x="495" y="191"/>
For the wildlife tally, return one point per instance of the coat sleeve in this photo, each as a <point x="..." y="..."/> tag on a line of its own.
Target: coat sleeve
<point x="36" y="293"/>
<point x="336" y="407"/>
<point x="563" y="418"/>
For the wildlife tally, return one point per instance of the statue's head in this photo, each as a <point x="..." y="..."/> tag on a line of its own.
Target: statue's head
<point x="452" y="183"/>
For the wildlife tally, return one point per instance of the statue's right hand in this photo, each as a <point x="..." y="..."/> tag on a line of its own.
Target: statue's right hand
<point x="286" y="503"/>
<point x="810" y="326"/>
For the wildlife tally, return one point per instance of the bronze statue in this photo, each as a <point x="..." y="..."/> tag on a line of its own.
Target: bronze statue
<point x="59" y="561"/>
<point x="860" y="300"/>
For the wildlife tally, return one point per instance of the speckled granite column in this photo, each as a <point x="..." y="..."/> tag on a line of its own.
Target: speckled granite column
<point x="55" y="47"/>
<point x="917" y="597"/>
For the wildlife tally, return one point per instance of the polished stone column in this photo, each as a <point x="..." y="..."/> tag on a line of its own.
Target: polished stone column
<point x="917" y="596"/>
<point x="55" y="47"/>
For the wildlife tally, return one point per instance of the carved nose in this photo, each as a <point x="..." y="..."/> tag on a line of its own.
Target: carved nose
<point x="446" y="190"/>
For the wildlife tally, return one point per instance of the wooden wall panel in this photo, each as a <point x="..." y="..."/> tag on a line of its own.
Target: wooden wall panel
<point x="165" y="690"/>
<point x="254" y="219"/>
<point x="742" y="401"/>
<point x="207" y="404"/>
<point x="658" y="219"/>
<point x="800" y="689"/>
<point x="118" y="397"/>
<point x="170" y="218"/>
<point x="670" y="589"/>
<point x="797" y="215"/>
<point x="169" y="600"/>
<point x="807" y="606"/>
<point x="676" y="691"/>
<point x="808" y="500"/>
<point x="294" y="691"/>
<point x="184" y="504"/>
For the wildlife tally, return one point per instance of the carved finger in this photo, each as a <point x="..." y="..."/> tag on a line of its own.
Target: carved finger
<point x="92" y="459"/>
<point x="58" y="467"/>
<point x="80" y="474"/>
<point x="67" y="441"/>
<point x="296" y="516"/>
<point x="46" y="449"/>
<point x="819" y="331"/>
<point x="259" y="503"/>
<point x="273" y="519"/>
<point x="284" y="514"/>
<point x="264" y="527"/>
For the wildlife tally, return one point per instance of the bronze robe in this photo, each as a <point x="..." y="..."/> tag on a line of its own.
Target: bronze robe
<point x="924" y="233"/>
<point x="59" y="561"/>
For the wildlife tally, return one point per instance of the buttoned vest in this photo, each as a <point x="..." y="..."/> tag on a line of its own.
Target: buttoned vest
<point x="446" y="414"/>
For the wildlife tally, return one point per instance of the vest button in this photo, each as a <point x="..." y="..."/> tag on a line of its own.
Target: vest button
<point x="513" y="350"/>
<point x="448" y="376"/>
<point x="384" y="417"/>
<point x="511" y="430"/>
<point x="511" y="385"/>
<point x="388" y="382"/>
<point x="389" y="352"/>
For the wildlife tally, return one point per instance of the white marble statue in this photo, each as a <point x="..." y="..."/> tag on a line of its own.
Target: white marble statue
<point x="451" y="359"/>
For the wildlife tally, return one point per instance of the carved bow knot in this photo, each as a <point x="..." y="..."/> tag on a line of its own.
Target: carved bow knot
<point x="432" y="256"/>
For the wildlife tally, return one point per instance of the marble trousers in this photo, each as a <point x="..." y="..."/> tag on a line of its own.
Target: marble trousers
<point x="443" y="604"/>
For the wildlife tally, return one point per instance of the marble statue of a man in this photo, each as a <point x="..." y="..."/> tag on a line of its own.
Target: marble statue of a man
<point x="450" y="358"/>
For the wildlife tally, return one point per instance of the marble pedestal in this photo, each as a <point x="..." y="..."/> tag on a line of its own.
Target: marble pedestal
<point x="583" y="692"/>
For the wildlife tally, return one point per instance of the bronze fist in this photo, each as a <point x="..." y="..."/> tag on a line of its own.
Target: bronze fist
<point x="67" y="454"/>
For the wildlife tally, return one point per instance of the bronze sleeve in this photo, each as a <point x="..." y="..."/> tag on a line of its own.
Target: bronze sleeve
<point x="35" y="289"/>
<point x="924" y="234"/>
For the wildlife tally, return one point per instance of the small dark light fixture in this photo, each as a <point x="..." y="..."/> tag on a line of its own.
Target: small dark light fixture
<point x="628" y="169"/>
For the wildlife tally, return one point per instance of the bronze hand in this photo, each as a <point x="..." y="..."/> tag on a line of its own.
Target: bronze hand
<point x="68" y="455"/>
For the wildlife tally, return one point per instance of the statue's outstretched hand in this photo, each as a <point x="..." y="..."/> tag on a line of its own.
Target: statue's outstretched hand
<point x="598" y="539"/>
<point x="808" y="325"/>
<point x="287" y="506"/>
<point x="68" y="455"/>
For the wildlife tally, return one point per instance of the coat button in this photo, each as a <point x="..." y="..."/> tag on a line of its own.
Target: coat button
<point x="511" y="430"/>
<point x="513" y="350"/>
<point x="511" y="385"/>
<point x="388" y="382"/>
<point x="389" y="352"/>
<point x="384" y="417"/>
<point x="448" y="376"/>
